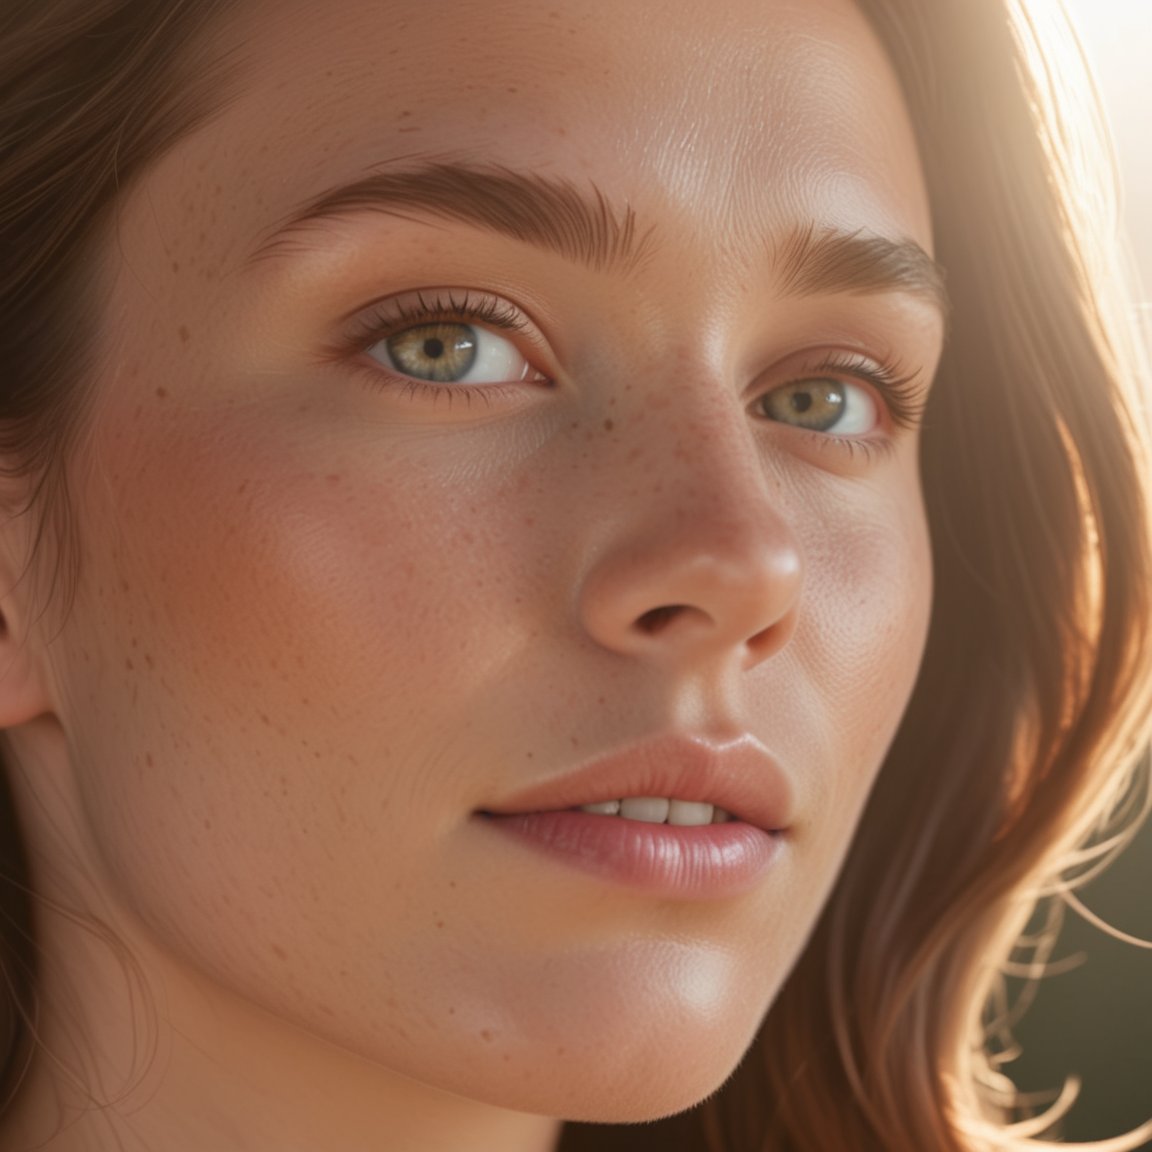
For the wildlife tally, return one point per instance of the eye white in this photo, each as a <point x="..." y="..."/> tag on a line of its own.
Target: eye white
<point x="861" y="412"/>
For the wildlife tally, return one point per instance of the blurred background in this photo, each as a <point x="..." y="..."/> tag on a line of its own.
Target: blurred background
<point x="1095" y="1021"/>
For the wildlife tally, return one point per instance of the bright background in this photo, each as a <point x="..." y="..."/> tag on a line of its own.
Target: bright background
<point x="1117" y="36"/>
<point x="1096" y="1021"/>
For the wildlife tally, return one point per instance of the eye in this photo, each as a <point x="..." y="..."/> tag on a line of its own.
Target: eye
<point x="451" y="352"/>
<point x="823" y="404"/>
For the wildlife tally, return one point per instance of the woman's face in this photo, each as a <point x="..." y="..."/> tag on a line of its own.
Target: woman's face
<point x="660" y="501"/>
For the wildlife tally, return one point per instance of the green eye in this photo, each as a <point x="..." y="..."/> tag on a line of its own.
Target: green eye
<point x="451" y="352"/>
<point x="822" y="405"/>
<point x="444" y="352"/>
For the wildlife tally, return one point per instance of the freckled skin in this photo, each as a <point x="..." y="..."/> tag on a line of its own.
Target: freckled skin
<point x="328" y="622"/>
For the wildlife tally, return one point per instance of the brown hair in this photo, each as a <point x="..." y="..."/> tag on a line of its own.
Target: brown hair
<point x="1017" y="745"/>
<point x="90" y="92"/>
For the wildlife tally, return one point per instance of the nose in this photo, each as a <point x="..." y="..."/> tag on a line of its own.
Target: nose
<point x="699" y="565"/>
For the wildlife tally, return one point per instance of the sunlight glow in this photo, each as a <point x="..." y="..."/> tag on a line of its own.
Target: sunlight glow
<point x="1117" y="38"/>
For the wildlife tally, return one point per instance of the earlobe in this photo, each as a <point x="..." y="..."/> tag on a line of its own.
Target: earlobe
<point x="23" y="688"/>
<point x="22" y="691"/>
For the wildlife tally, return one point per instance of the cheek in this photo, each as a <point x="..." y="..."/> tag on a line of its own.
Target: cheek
<point x="266" y="637"/>
<point x="861" y="638"/>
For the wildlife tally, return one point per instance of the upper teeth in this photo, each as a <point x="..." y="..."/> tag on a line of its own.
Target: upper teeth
<point x="659" y="810"/>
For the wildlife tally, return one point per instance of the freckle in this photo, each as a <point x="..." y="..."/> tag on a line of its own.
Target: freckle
<point x="208" y="825"/>
<point x="512" y="91"/>
<point x="405" y="115"/>
<point x="149" y="762"/>
<point x="279" y="951"/>
<point x="129" y="665"/>
<point x="242" y="489"/>
<point x="506" y="1058"/>
<point x="265" y="719"/>
<point x="485" y="1035"/>
<point x="439" y="923"/>
<point x="561" y="1051"/>
<point x="333" y="479"/>
<point x="175" y="265"/>
<point x="451" y="1010"/>
<point x="608" y="425"/>
<point x="529" y="521"/>
<point x="124" y="585"/>
<point x="185" y="335"/>
<point x="451" y="883"/>
<point x="162" y="393"/>
<point x="148" y="660"/>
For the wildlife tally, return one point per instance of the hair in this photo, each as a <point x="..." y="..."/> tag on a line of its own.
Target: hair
<point x="1020" y="745"/>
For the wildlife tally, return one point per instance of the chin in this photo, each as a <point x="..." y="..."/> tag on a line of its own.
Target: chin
<point x="644" y="1076"/>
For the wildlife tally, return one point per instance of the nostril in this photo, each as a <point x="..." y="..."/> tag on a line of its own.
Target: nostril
<point x="656" y="620"/>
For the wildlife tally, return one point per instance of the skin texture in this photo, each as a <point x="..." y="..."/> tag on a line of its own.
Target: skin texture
<point x="322" y="621"/>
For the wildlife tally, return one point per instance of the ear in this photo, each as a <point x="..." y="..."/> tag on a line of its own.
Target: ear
<point x="23" y="684"/>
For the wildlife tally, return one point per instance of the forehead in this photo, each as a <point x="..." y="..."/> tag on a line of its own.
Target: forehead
<point x="760" y="114"/>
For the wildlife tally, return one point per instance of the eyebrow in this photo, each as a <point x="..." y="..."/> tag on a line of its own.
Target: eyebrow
<point x="584" y="227"/>
<point x="549" y="213"/>
<point x="814" y="261"/>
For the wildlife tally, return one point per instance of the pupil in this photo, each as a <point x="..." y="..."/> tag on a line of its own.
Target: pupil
<point x="433" y="348"/>
<point x="802" y="401"/>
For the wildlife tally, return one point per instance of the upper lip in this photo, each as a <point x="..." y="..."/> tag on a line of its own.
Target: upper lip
<point x="737" y="775"/>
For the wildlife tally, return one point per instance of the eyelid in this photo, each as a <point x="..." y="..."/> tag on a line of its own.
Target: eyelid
<point x="373" y="322"/>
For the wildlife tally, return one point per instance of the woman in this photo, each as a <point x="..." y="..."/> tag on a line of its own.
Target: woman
<point x="506" y="580"/>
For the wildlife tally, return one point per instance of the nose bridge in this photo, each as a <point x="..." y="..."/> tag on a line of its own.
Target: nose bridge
<point x="698" y="556"/>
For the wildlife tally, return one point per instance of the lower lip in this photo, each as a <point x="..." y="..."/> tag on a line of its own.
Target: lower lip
<point x="710" y="861"/>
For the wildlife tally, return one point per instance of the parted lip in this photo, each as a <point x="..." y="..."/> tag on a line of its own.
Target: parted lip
<point x="738" y="775"/>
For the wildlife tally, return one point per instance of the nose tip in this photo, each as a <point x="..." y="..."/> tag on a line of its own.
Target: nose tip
<point x="697" y="593"/>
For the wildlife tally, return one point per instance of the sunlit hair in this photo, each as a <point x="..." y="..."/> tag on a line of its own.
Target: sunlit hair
<point x="1017" y="761"/>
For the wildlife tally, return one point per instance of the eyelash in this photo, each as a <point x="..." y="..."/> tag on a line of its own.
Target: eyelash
<point x="896" y="389"/>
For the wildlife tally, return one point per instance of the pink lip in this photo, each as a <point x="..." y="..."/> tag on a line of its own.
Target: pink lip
<point x="709" y="861"/>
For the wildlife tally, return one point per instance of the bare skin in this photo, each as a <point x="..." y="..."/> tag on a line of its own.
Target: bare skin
<point x="326" y="618"/>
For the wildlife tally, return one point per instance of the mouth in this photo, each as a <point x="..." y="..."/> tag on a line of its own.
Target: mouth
<point x="677" y="779"/>
<point x="677" y="816"/>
